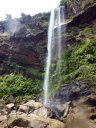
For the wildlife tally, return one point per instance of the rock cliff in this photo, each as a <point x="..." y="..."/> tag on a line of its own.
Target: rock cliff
<point x="24" y="40"/>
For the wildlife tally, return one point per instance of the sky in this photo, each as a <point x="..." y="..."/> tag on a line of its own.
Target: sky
<point x="32" y="7"/>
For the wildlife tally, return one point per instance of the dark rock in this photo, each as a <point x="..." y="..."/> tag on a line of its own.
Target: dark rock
<point x="85" y="17"/>
<point x="26" y="45"/>
<point x="66" y="93"/>
<point x="11" y="99"/>
<point x="73" y="8"/>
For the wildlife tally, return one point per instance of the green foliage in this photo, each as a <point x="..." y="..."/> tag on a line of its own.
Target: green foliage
<point x="78" y="64"/>
<point x="81" y="4"/>
<point x="45" y="24"/>
<point x="18" y="85"/>
<point x="82" y="58"/>
<point x="4" y="42"/>
<point x="63" y="2"/>
<point x="85" y="2"/>
<point x="30" y="71"/>
<point x="65" y="61"/>
<point x="87" y="32"/>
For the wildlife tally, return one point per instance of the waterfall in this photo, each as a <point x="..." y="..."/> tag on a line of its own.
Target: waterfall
<point x="48" y="61"/>
<point x="54" y="47"/>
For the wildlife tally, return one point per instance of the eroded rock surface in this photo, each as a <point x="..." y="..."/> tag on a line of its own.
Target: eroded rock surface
<point x="82" y="113"/>
<point x="67" y="93"/>
<point x="78" y="114"/>
<point x="29" y="115"/>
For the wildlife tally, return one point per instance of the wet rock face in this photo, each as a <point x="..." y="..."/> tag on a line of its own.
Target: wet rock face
<point x="85" y="17"/>
<point x="72" y="91"/>
<point x="27" y="43"/>
<point x="71" y="30"/>
<point x="4" y="48"/>
<point x="69" y="92"/>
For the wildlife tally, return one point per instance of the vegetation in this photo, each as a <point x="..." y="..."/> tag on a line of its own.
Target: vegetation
<point x="18" y="86"/>
<point x="82" y="3"/>
<point x="74" y="4"/>
<point x="19" y="81"/>
<point x="78" y="64"/>
<point x="17" y="77"/>
<point x="81" y="63"/>
<point x="29" y="71"/>
<point x="63" y="2"/>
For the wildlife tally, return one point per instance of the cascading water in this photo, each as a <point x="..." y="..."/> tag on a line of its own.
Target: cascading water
<point x="59" y="41"/>
<point x="48" y="61"/>
<point x="54" y="47"/>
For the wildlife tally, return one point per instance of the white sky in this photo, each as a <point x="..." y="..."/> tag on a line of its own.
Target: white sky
<point x="16" y="7"/>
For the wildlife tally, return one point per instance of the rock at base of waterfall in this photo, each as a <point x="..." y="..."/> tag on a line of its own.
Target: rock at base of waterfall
<point x="78" y="114"/>
<point x="10" y="106"/>
<point x="30" y="115"/>
<point x="82" y="113"/>
<point x="36" y="108"/>
<point x="33" y="121"/>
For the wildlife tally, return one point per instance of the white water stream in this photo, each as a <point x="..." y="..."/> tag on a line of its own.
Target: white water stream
<point x="48" y="61"/>
<point x="54" y="46"/>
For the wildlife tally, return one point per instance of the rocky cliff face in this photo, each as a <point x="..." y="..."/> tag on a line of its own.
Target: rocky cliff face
<point x="23" y="48"/>
<point x="24" y="40"/>
<point x="74" y="8"/>
<point x="78" y="68"/>
<point x="23" y="45"/>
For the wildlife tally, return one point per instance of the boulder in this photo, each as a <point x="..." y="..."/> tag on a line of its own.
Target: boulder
<point x="30" y="107"/>
<point x="32" y="121"/>
<point x="36" y="108"/>
<point x="11" y="99"/>
<point x="67" y="93"/>
<point x="10" y="106"/>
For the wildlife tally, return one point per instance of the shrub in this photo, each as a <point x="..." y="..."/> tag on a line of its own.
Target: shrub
<point x="18" y="85"/>
<point x="78" y="64"/>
